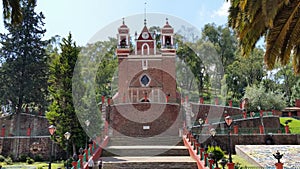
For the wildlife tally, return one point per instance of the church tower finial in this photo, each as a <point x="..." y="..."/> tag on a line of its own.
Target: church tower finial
<point x="145" y="20"/>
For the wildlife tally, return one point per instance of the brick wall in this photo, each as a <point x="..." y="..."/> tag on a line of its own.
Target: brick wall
<point x="30" y="146"/>
<point x="145" y="119"/>
<point x="276" y="139"/>
<point x="37" y="124"/>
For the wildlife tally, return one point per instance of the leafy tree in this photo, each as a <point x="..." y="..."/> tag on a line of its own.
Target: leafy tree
<point x="241" y="74"/>
<point x="295" y="93"/>
<point x="285" y="79"/>
<point x="278" y="20"/>
<point x="266" y="99"/>
<point x="24" y="60"/>
<point x="12" y="11"/>
<point x="224" y="40"/>
<point x="61" y="111"/>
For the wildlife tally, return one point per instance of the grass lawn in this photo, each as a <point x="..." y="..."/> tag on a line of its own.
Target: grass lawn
<point x="294" y="125"/>
<point x="36" y="165"/>
<point x="239" y="160"/>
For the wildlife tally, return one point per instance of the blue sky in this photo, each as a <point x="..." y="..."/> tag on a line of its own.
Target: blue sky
<point x="84" y="18"/>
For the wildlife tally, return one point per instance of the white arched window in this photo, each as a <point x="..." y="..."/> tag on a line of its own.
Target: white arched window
<point x="145" y="47"/>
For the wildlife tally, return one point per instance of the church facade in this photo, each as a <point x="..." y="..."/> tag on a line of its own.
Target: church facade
<point x="146" y="103"/>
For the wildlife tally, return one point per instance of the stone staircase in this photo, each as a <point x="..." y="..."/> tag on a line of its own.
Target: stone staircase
<point x="161" y="152"/>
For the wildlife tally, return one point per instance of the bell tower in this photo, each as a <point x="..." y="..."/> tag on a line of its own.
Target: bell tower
<point x="167" y="40"/>
<point x="145" y="42"/>
<point x="123" y="36"/>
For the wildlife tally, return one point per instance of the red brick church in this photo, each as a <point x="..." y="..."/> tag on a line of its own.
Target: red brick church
<point x="145" y="104"/>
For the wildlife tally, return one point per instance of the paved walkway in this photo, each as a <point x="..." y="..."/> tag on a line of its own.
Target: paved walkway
<point x="263" y="155"/>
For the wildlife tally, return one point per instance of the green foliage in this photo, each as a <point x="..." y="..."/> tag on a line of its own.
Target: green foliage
<point x="265" y="99"/>
<point x="23" y="158"/>
<point x="241" y="74"/>
<point x="295" y="93"/>
<point x="24" y="61"/>
<point x="2" y="158"/>
<point x="293" y="124"/>
<point x="224" y="41"/>
<point x="38" y="158"/>
<point x="61" y="111"/>
<point x="29" y="160"/>
<point x="8" y="161"/>
<point x="217" y="151"/>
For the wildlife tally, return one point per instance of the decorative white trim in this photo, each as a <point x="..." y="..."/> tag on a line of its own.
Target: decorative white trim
<point x="144" y="64"/>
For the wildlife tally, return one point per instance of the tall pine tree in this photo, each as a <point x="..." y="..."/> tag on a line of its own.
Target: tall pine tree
<point x="61" y="111"/>
<point x="23" y="60"/>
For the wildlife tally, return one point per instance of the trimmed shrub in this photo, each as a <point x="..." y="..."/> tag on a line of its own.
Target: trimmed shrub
<point x="38" y="158"/>
<point x="23" y="158"/>
<point x="29" y="160"/>
<point x="2" y="158"/>
<point x="8" y="161"/>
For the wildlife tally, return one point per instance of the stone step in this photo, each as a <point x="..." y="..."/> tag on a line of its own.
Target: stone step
<point x="148" y="162"/>
<point x="134" y="141"/>
<point x="145" y="151"/>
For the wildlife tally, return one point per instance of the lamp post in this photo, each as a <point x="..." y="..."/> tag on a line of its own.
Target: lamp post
<point x="201" y="123"/>
<point x="229" y="121"/>
<point x="261" y="119"/>
<point x="67" y="136"/>
<point x="213" y="134"/>
<point x="52" y="130"/>
<point x="87" y="123"/>
<point x="201" y="74"/>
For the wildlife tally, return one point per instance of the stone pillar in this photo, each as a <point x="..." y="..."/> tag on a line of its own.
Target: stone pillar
<point x="74" y="164"/>
<point x="81" y="160"/>
<point x="216" y="101"/>
<point x="28" y="131"/>
<point x="279" y="165"/>
<point x="211" y="162"/>
<point x="195" y="144"/>
<point x="244" y="114"/>
<point x="201" y="153"/>
<point x="205" y="159"/>
<point x="286" y="129"/>
<point x="198" y="148"/>
<point x="261" y="129"/>
<point x="236" y="129"/>
<point x="102" y="99"/>
<point x="86" y="155"/>
<point x="201" y="100"/>
<point x="91" y="148"/>
<point x="230" y="165"/>
<point x="3" y="132"/>
<point x="261" y="113"/>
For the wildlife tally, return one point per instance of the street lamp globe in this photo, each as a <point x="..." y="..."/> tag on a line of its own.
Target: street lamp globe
<point x="228" y="120"/>
<point x="52" y="129"/>
<point x="87" y="123"/>
<point x="200" y="121"/>
<point x="213" y="132"/>
<point x="67" y="135"/>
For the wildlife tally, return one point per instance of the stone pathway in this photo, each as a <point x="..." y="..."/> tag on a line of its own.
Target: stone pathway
<point x="263" y="155"/>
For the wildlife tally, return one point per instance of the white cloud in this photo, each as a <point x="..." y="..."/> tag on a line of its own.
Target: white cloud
<point x="222" y="11"/>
